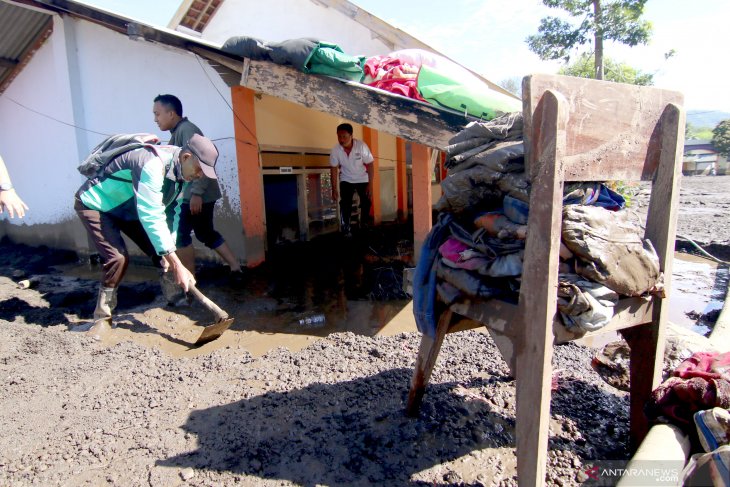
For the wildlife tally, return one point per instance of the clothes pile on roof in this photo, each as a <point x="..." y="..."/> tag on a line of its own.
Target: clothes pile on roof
<point x="476" y="247"/>
<point x="413" y="73"/>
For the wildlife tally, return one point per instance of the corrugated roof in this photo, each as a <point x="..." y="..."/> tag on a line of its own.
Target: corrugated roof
<point x="22" y="32"/>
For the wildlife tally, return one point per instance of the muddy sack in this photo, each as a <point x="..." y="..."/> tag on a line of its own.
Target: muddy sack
<point x="611" y="249"/>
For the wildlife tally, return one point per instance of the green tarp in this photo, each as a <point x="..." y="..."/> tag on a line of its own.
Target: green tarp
<point x="477" y="100"/>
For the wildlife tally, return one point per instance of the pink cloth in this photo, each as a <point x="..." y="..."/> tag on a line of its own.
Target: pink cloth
<point x="393" y="75"/>
<point x="708" y="365"/>
<point x="457" y="254"/>
<point x="700" y="382"/>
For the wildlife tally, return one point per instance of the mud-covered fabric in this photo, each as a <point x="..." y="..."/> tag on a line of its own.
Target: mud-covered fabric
<point x="611" y="249"/>
<point x="307" y="54"/>
<point x="584" y="305"/>
<point x="292" y="52"/>
<point x="469" y="190"/>
<point x="506" y="127"/>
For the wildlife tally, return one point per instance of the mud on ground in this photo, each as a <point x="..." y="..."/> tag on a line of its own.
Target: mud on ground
<point x="145" y="409"/>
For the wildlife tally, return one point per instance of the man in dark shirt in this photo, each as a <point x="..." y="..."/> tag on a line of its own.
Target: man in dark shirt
<point x="199" y="196"/>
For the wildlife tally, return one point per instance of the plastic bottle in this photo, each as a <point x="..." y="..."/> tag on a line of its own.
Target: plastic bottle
<point x="313" y="320"/>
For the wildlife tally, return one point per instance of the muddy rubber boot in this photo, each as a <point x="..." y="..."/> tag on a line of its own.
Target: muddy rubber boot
<point x="105" y="303"/>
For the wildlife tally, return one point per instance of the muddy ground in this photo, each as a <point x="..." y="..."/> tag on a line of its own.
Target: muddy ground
<point x="278" y="401"/>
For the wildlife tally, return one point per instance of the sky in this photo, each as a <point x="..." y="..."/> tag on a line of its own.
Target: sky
<point x="488" y="36"/>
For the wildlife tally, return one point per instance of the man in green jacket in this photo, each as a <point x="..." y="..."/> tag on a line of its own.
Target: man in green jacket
<point x="199" y="196"/>
<point x="139" y="194"/>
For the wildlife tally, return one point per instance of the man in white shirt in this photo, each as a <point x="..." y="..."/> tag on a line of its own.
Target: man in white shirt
<point x="352" y="159"/>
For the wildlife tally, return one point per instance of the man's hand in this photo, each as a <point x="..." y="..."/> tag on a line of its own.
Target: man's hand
<point x="196" y="204"/>
<point x="10" y="202"/>
<point x="183" y="277"/>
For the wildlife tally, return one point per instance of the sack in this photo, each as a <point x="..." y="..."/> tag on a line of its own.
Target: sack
<point x="111" y="147"/>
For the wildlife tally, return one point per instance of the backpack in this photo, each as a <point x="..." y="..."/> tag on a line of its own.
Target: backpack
<point x="111" y="147"/>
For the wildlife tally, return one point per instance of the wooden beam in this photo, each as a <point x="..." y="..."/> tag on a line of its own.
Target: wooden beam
<point x="370" y="137"/>
<point x="422" y="205"/>
<point x="397" y="115"/>
<point x="612" y="126"/>
<point x="401" y="175"/>
<point x="250" y="177"/>
<point x="538" y="292"/>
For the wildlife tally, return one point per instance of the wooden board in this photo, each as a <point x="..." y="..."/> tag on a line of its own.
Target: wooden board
<point x="611" y="128"/>
<point x="397" y="115"/>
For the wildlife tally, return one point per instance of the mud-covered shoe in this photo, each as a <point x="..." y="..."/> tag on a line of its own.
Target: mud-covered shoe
<point x="236" y="278"/>
<point x="99" y="330"/>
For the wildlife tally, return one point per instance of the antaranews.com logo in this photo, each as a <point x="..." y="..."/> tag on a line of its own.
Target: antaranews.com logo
<point x="646" y="473"/>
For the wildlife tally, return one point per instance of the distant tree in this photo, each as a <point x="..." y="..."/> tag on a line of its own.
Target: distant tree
<point x="513" y="85"/>
<point x="613" y="71"/>
<point x="721" y="137"/>
<point x="598" y="20"/>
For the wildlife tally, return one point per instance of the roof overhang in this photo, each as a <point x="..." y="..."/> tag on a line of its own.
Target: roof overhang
<point x="23" y="31"/>
<point x="403" y="117"/>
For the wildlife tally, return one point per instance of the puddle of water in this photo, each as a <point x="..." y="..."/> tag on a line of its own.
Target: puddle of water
<point x="698" y="287"/>
<point x="272" y="308"/>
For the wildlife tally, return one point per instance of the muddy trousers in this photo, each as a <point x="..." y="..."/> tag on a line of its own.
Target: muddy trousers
<point x="106" y="232"/>
<point x="347" y="190"/>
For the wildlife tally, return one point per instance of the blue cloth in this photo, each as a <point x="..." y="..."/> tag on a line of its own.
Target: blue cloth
<point x="424" y="279"/>
<point x="609" y="199"/>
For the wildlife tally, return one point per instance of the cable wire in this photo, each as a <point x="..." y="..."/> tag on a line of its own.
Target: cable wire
<point x="53" y="118"/>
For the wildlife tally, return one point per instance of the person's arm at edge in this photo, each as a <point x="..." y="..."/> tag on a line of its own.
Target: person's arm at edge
<point x="9" y="199"/>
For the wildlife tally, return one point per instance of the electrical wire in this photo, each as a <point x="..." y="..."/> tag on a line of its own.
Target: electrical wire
<point x="53" y="118"/>
<point x="229" y="106"/>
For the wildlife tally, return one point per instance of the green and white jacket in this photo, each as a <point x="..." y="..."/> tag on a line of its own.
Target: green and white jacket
<point x="143" y="184"/>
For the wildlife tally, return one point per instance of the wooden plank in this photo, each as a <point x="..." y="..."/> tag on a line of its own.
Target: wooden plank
<point x="503" y="318"/>
<point x="611" y="126"/>
<point x="278" y="159"/>
<point x="427" y="354"/>
<point x="401" y="179"/>
<point x="496" y="315"/>
<point x="647" y="342"/>
<point x="397" y="115"/>
<point x="628" y="312"/>
<point x="538" y="292"/>
<point x="422" y="205"/>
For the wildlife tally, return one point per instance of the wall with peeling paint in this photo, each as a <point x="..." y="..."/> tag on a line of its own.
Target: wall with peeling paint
<point x="86" y="81"/>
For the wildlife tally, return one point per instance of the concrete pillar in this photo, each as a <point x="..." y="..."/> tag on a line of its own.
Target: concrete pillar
<point x="250" y="176"/>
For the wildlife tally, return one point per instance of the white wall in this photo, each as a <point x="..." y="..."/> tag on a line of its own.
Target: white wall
<point x="40" y="153"/>
<point x="279" y="20"/>
<point x="92" y="77"/>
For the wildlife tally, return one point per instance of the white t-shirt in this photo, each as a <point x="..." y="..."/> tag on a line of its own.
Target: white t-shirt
<point x="352" y="167"/>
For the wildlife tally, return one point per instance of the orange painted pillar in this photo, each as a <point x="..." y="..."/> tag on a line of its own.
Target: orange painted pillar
<point x="421" y="170"/>
<point x="370" y="137"/>
<point x="250" y="176"/>
<point x="401" y="179"/>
